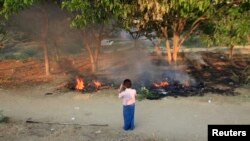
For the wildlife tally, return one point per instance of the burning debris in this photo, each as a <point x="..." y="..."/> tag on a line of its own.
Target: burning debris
<point x="160" y="84"/>
<point x="175" y="83"/>
<point x="177" y="89"/>
<point x="79" y="83"/>
<point x="163" y="89"/>
<point x="88" y="84"/>
<point x="170" y="83"/>
<point x="97" y="84"/>
<point x="151" y="87"/>
<point x="92" y="85"/>
<point x="152" y="84"/>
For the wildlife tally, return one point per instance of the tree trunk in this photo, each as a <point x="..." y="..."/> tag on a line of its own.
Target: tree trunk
<point x="86" y="44"/>
<point x="46" y="58"/>
<point x="135" y="43"/>
<point x="157" y="48"/>
<point x="57" y="56"/>
<point x="44" y="42"/>
<point x="169" y="55"/>
<point x="91" y="57"/>
<point x="93" y="65"/>
<point x="176" y="40"/>
<point x="230" y="55"/>
<point x="167" y="44"/>
<point x="97" y="53"/>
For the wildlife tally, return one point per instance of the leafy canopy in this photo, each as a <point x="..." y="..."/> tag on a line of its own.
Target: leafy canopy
<point x="9" y="7"/>
<point x="87" y="12"/>
<point x="230" y="25"/>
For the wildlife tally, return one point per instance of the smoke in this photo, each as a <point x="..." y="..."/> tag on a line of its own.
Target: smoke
<point x="129" y="60"/>
<point x="32" y="23"/>
<point x="61" y="39"/>
<point x="126" y="62"/>
<point x="136" y="63"/>
<point x="196" y="57"/>
<point x="178" y="76"/>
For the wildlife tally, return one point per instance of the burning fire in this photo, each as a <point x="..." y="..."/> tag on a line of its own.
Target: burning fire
<point x="161" y="84"/>
<point x="97" y="84"/>
<point x="186" y="83"/>
<point x="79" y="83"/>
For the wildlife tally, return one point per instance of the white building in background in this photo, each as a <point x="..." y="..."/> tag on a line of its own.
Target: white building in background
<point x="106" y="42"/>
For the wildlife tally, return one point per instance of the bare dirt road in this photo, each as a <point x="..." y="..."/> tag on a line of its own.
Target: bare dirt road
<point x="172" y="119"/>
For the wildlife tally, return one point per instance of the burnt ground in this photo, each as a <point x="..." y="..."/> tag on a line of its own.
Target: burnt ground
<point x="215" y="75"/>
<point x="218" y="73"/>
<point x="209" y="73"/>
<point x="169" y="119"/>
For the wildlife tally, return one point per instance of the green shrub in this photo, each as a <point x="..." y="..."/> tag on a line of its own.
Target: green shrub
<point x="25" y="54"/>
<point x="243" y="92"/>
<point x="193" y="42"/>
<point x="144" y="93"/>
<point x="2" y="117"/>
<point x="241" y="77"/>
<point x="20" y="54"/>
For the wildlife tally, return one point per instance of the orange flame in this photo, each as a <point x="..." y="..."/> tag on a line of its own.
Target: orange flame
<point x="97" y="83"/>
<point x="161" y="84"/>
<point x="186" y="83"/>
<point x="79" y="83"/>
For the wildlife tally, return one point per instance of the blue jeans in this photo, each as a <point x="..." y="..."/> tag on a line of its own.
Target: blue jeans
<point x="128" y="116"/>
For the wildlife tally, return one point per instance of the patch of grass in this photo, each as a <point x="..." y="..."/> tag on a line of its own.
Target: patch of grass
<point x="244" y="92"/>
<point x="245" y="96"/>
<point x="3" y="119"/>
<point x="242" y="95"/>
<point x="144" y="93"/>
<point x="241" y="77"/>
<point x="20" y="54"/>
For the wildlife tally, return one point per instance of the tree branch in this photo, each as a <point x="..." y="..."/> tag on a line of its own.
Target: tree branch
<point x="193" y="27"/>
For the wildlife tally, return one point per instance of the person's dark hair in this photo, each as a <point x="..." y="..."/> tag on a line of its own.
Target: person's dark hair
<point x="127" y="83"/>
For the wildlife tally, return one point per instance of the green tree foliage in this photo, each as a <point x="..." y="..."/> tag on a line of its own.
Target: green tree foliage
<point x="171" y="19"/>
<point x="9" y="7"/>
<point x="93" y="18"/>
<point x="176" y="20"/>
<point x="88" y="12"/>
<point x="230" y="26"/>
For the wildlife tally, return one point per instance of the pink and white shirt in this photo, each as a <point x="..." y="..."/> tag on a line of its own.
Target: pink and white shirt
<point x="128" y="96"/>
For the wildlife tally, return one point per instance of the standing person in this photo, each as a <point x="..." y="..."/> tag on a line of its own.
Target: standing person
<point x="127" y="94"/>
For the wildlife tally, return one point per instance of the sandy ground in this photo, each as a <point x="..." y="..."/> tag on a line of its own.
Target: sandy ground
<point x="173" y="119"/>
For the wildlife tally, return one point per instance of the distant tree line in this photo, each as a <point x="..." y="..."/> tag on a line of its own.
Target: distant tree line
<point x="217" y="22"/>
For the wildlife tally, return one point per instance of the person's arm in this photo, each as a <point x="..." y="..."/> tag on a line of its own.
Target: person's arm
<point x="121" y="94"/>
<point x="121" y="88"/>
